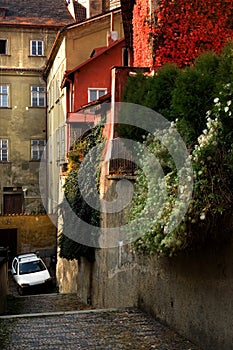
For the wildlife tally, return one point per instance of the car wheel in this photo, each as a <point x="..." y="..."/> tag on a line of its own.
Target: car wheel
<point x="20" y="290"/>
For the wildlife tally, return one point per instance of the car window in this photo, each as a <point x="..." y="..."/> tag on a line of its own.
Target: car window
<point x="31" y="267"/>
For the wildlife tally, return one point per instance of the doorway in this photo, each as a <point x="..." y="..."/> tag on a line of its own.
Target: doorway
<point x="8" y="239"/>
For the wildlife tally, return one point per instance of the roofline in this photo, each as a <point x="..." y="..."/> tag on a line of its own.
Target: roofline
<point x="70" y="26"/>
<point x="31" y="26"/>
<point x="91" y="59"/>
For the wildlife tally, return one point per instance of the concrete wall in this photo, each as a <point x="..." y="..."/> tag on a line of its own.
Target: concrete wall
<point x="3" y="283"/>
<point x="192" y="293"/>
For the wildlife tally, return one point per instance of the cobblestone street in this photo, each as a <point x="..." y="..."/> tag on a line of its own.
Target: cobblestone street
<point x="96" y="329"/>
<point x="61" y="321"/>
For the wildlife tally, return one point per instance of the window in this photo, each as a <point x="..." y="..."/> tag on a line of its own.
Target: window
<point x="95" y="94"/>
<point x="63" y="143"/>
<point x="4" y="95"/>
<point x="37" y="48"/>
<point x="58" y="144"/>
<point x="125" y="57"/>
<point x="3" y="46"/>
<point x="57" y="90"/>
<point x="37" y="149"/>
<point x="37" y="96"/>
<point x="3" y="150"/>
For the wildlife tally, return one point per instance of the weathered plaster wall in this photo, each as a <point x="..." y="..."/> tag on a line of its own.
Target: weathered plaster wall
<point x="67" y="275"/>
<point x="34" y="232"/>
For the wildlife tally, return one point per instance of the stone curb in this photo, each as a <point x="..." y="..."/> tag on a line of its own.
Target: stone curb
<point x="63" y="313"/>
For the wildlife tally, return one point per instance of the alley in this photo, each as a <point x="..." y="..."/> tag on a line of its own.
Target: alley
<point x="126" y="329"/>
<point x="57" y="322"/>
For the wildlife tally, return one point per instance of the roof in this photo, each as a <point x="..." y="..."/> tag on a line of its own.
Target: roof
<point x="28" y="257"/>
<point x="97" y="52"/>
<point x="34" y="13"/>
<point x="73" y="26"/>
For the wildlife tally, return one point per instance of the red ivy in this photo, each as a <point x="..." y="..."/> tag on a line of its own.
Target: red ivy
<point x="183" y="29"/>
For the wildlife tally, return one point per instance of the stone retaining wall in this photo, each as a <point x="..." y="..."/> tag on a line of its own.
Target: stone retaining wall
<point x="3" y="283"/>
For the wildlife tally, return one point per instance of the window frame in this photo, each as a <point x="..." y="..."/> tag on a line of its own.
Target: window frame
<point x="37" y="148"/>
<point x="36" y="53"/>
<point x="2" y="94"/>
<point x="2" y="148"/>
<point x="98" y="95"/>
<point x="36" y="95"/>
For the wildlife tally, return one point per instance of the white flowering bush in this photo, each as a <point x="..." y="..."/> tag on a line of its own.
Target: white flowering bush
<point x="212" y="162"/>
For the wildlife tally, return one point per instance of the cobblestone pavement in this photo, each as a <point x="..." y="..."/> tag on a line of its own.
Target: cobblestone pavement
<point x="61" y="321"/>
<point x="89" y="330"/>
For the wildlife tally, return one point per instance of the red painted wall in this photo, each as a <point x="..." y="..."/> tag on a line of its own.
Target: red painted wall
<point x="96" y="74"/>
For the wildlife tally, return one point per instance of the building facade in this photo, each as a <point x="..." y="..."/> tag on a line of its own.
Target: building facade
<point x="72" y="47"/>
<point x="26" y="36"/>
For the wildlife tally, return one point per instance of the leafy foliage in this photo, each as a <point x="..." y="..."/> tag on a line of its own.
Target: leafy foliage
<point x="184" y="29"/>
<point x="202" y="98"/>
<point x="69" y="248"/>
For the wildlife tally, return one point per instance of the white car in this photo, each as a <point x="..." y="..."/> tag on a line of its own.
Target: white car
<point x="29" y="270"/>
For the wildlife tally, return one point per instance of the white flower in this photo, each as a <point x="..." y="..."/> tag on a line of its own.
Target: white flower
<point x="202" y="216"/>
<point x="226" y="109"/>
<point x="216" y="100"/>
<point x="229" y="102"/>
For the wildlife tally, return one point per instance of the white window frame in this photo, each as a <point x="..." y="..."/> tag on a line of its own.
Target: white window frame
<point x="37" y="148"/>
<point x="6" y="46"/>
<point x="36" y="51"/>
<point x="4" y="148"/>
<point x="4" y="96"/>
<point x="37" y="93"/>
<point x="58" y="145"/>
<point x="63" y="150"/>
<point x="98" y="95"/>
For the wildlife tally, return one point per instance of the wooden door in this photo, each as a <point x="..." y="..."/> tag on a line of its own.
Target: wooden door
<point x="13" y="203"/>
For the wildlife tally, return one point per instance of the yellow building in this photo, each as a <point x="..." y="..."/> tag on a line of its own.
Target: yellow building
<point x="72" y="46"/>
<point x="27" y="32"/>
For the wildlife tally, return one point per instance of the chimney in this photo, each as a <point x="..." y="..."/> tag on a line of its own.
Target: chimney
<point x="112" y="35"/>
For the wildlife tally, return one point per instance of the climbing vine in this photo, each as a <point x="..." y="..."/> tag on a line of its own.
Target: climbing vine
<point x="77" y="191"/>
<point x="179" y="30"/>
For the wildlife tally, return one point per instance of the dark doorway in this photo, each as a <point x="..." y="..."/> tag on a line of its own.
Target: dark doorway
<point x="8" y="238"/>
<point x="13" y="203"/>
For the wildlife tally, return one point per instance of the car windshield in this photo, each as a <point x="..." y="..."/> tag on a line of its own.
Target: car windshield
<point x="30" y="267"/>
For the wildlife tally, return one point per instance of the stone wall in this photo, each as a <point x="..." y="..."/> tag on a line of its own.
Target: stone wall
<point x="67" y="275"/>
<point x="192" y="293"/>
<point x="3" y="283"/>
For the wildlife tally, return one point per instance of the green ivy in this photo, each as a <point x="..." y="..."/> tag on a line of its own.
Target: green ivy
<point x="69" y="248"/>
